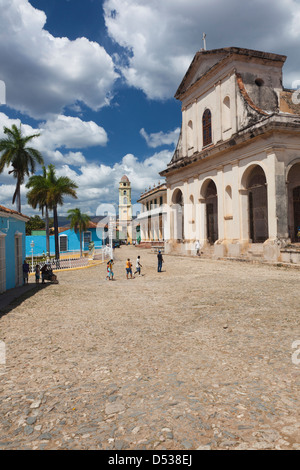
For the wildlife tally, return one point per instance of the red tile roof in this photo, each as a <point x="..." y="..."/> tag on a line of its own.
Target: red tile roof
<point x="12" y="212"/>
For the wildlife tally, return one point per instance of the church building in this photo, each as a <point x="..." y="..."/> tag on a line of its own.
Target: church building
<point x="234" y="180"/>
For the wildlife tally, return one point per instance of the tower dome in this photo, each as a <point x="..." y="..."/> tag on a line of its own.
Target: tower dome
<point x="124" y="179"/>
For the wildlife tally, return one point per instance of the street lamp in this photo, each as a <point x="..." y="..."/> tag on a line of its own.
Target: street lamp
<point x="32" y="246"/>
<point x="110" y="232"/>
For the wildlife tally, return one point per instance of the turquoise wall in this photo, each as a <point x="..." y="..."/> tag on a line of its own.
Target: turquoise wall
<point x="10" y="226"/>
<point x="73" y="243"/>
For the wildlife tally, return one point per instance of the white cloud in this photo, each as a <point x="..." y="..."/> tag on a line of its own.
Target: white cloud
<point x="71" y="132"/>
<point x="98" y="183"/>
<point x="161" y="37"/>
<point x="44" y="74"/>
<point x="158" y="139"/>
<point x="61" y="132"/>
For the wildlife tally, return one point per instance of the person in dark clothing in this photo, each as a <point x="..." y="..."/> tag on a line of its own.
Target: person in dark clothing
<point x="159" y="262"/>
<point x="26" y="270"/>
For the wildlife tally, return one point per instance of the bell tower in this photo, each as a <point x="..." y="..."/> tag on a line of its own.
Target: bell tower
<point x="125" y="208"/>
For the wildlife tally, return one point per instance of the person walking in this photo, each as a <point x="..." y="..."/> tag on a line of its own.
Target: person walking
<point x="197" y="248"/>
<point x="138" y="265"/>
<point x="37" y="274"/>
<point x="25" y="272"/>
<point x="159" y="261"/>
<point x="110" y="270"/>
<point x="128" y="268"/>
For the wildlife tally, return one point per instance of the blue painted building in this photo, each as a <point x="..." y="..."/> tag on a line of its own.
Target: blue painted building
<point x="69" y="241"/>
<point x="12" y="248"/>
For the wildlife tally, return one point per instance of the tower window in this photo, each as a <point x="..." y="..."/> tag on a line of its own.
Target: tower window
<point x="259" y="82"/>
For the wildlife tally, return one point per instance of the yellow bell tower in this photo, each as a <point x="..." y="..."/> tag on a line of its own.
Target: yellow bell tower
<point x="125" y="209"/>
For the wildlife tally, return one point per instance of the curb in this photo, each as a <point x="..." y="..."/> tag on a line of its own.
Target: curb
<point x="73" y="269"/>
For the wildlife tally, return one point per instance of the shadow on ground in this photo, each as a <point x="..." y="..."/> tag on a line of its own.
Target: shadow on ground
<point x="15" y="297"/>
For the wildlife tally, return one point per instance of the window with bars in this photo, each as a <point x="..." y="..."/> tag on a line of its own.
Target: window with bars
<point x="63" y="243"/>
<point x="87" y="237"/>
<point x="206" y="125"/>
<point x="2" y="265"/>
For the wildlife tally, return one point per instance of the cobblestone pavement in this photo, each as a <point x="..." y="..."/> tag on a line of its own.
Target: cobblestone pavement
<point x="199" y="356"/>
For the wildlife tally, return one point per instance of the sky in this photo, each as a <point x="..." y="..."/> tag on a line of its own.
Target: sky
<point x="97" y="78"/>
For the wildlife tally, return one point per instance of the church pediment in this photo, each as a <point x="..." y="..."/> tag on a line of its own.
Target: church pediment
<point x="201" y="64"/>
<point x="205" y="61"/>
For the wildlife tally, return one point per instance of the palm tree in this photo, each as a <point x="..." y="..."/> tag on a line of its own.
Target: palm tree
<point x="58" y="188"/>
<point x="79" y="222"/>
<point x="21" y="158"/>
<point x="38" y="196"/>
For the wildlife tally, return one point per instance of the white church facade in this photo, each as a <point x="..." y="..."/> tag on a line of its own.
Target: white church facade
<point x="234" y="180"/>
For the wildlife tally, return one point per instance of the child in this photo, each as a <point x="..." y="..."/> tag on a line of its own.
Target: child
<point x="37" y="274"/>
<point x="110" y="271"/>
<point x="107" y="270"/>
<point x="128" y="268"/>
<point x="138" y="266"/>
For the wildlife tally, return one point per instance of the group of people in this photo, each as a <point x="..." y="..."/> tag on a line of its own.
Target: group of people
<point x="138" y="267"/>
<point x="45" y="271"/>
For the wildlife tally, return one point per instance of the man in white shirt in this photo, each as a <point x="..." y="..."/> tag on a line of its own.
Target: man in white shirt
<point x="197" y="248"/>
<point x="138" y="265"/>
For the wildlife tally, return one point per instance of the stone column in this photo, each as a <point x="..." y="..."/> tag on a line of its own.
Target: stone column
<point x="277" y="195"/>
<point x="185" y="209"/>
<point x="202" y="217"/>
<point x="184" y="132"/>
<point x="244" y="215"/>
<point x="236" y="232"/>
<point x="220" y="194"/>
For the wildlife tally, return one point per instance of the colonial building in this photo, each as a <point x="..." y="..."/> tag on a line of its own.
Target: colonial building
<point x="152" y="217"/>
<point x="234" y="180"/>
<point x="69" y="240"/>
<point x="12" y="248"/>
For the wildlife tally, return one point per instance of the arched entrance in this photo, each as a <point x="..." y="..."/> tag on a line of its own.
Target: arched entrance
<point x="211" y="202"/>
<point x="294" y="202"/>
<point x="258" y="205"/>
<point x="178" y="214"/>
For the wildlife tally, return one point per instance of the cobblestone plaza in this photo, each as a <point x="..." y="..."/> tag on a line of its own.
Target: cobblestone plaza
<point x="200" y="356"/>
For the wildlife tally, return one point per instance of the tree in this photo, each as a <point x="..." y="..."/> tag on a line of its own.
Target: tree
<point x="79" y="222"/>
<point x="34" y="223"/>
<point x="59" y="188"/>
<point x="21" y="158"/>
<point x="38" y="196"/>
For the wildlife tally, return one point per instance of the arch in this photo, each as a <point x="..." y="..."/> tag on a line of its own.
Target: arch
<point x="190" y="135"/>
<point x="178" y="214"/>
<point x="226" y="114"/>
<point x="228" y="201"/>
<point x="293" y="190"/>
<point x="255" y="182"/>
<point x="207" y="128"/>
<point x="290" y="166"/>
<point x="247" y="172"/>
<point x="204" y="186"/>
<point x="177" y="197"/>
